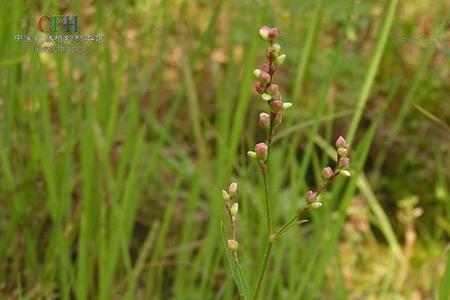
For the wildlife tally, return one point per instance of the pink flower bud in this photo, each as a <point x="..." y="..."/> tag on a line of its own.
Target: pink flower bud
<point x="265" y="68"/>
<point x="311" y="196"/>
<point x="265" y="32"/>
<point x="261" y="151"/>
<point x="277" y="118"/>
<point x="340" y="142"/>
<point x="264" y="120"/>
<point x="276" y="105"/>
<point x="327" y="172"/>
<point x="232" y="188"/>
<point x="259" y="87"/>
<point x="273" y="33"/>
<point x="272" y="89"/>
<point x="265" y="77"/>
<point x="344" y="162"/>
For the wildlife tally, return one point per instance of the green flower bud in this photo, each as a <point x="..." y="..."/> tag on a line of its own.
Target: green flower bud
<point x="345" y="173"/>
<point x="266" y="97"/>
<point x="251" y="154"/>
<point x="316" y="205"/>
<point x="342" y="152"/>
<point x="287" y="105"/>
<point x="280" y="59"/>
<point x="232" y="245"/>
<point x="275" y="48"/>
<point x="257" y="73"/>
<point x="225" y="195"/>
<point x="234" y="209"/>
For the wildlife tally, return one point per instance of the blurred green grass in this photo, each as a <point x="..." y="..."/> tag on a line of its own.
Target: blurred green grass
<point x="112" y="161"/>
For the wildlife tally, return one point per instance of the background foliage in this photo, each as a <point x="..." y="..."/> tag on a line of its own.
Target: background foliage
<point x="112" y="161"/>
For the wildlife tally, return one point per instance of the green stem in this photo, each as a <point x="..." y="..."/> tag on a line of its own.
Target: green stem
<point x="264" y="169"/>
<point x="263" y="270"/>
<point x="296" y="217"/>
<point x="267" y="197"/>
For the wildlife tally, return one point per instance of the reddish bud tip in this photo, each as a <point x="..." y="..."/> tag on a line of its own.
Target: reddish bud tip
<point x="273" y="33"/>
<point x="232" y="188"/>
<point x="261" y="150"/>
<point x="276" y="105"/>
<point x="327" y="172"/>
<point x="340" y="142"/>
<point x="264" y="120"/>
<point x="265" y="77"/>
<point x="259" y="87"/>
<point x="344" y="162"/>
<point x="311" y="196"/>
<point x="272" y="89"/>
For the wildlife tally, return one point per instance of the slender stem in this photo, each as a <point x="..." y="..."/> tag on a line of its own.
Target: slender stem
<point x="267" y="197"/>
<point x="263" y="270"/>
<point x="297" y="216"/>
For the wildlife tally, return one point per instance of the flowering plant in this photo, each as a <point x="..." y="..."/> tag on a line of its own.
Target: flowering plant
<point x="270" y="93"/>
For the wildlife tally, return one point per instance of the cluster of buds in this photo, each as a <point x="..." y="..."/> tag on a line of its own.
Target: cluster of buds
<point x="328" y="174"/>
<point x="232" y="208"/>
<point x="269" y="91"/>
